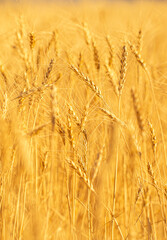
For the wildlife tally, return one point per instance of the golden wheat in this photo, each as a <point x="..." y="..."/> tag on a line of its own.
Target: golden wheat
<point x="83" y="121"/>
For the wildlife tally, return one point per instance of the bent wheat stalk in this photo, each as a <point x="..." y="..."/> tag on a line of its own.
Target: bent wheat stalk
<point x="113" y="117"/>
<point x="88" y="82"/>
<point x="81" y="174"/>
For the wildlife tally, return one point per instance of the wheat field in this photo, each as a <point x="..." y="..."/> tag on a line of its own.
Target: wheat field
<point x="83" y="113"/>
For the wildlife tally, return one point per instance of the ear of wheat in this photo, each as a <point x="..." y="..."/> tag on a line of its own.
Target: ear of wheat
<point x="81" y="174"/>
<point x="113" y="117"/>
<point x="88" y="82"/>
<point x="138" y="56"/>
<point x="123" y="69"/>
<point x="112" y="76"/>
<point x="32" y="40"/>
<point x="137" y="107"/>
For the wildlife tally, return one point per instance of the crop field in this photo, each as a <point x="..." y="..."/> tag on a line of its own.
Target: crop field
<point x="83" y="121"/>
